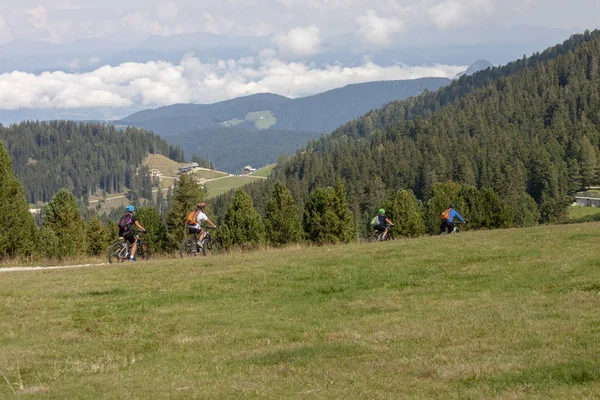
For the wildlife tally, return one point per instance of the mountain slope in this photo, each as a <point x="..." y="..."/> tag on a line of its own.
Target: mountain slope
<point x="318" y="113"/>
<point x="85" y="158"/>
<point x="528" y="130"/>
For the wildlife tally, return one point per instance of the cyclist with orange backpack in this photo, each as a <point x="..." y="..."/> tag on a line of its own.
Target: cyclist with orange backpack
<point x="194" y="221"/>
<point x="448" y="217"/>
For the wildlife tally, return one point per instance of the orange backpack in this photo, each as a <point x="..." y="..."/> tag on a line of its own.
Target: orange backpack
<point x="446" y="214"/>
<point x="192" y="217"/>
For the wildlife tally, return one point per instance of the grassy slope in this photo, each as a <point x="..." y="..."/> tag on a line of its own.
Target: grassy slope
<point x="580" y="212"/>
<point x="506" y="314"/>
<point x="221" y="186"/>
<point x="265" y="171"/>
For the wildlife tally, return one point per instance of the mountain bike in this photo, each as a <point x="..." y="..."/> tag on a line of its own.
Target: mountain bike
<point x="455" y="229"/>
<point x="120" y="250"/>
<point x="191" y="246"/>
<point x="378" y="236"/>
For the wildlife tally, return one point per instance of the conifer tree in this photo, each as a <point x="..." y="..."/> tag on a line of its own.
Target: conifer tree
<point x="440" y="196"/>
<point x="157" y="236"/>
<point x="241" y="224"/>
<point x="19" y="236"/>
<point x="63" y="217"/>
<point x="406" y="213"/>
<point x="160" y="200"/>
<point x="320" y="221"/>
<point x="186" y="196"/>
<point x="282" y="218"/>
<point x="327" y="218"/>
<point x="97" y="235"/>
<point x="346" y="231"/>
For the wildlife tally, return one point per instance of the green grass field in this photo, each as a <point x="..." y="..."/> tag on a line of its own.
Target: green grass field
<point x="265" y="172"/>
<point x="581" y="212"/>
<point x="209" y="174"/>
<point x="506" y="314"/>
<point x="221" y="186"/>
<point x="262" y="119"/>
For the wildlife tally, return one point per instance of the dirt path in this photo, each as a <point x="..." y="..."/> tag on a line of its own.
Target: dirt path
<point x="20" y="269"/>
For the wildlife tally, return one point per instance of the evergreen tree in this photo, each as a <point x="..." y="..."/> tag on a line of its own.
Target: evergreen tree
<point x="282" y="218"/>
<point x="406" y="213"/>
<point x="441" y="195"/>
<point x="326" y="218"/>
<point x="241" y="225"/>
<point x="49" y="246"/>
<point x="157" y="236"/>
<point x="98" y="237"/>
<point x="346" y="230"/>
<point x="160" y="202"/>
<point x="62" y="216"/>
<point x="19" y="236"/>
<point x="186" y="196"/>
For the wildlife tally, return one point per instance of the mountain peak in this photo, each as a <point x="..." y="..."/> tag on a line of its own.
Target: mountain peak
<point x="477" y="66"/>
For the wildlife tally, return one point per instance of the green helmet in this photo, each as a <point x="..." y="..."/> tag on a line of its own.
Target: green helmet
<point x="381" y="211"/>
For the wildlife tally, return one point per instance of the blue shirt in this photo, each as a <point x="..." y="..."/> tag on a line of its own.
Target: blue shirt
<point x="455" y="214"/>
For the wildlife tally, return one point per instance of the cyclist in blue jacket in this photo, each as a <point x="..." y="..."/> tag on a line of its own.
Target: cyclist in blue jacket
<point x="448" y="217"/>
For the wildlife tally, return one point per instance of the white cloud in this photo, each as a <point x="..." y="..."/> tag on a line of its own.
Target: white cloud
<point x="161" y="83"/>
<point x="299" y="42"/>
<point x="378" y="31"/>
<point x="5" y="32"/>
<point x="38" y="17"/>
<point x="168" y="10"/>
<point x="452" y="13"/>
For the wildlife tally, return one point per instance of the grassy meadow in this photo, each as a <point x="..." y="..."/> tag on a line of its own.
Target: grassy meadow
<point x="505" y="314"/>
<point x="223" y="185"/>
<point x="577" y="212"/>
<point x="265" y="171"/>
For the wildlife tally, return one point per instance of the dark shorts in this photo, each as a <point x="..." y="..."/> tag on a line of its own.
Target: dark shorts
<point x="380" y="228"/>
<point x="194" y="230"/>
<point x="129" y="236"/>
<point x="447" y="226"/>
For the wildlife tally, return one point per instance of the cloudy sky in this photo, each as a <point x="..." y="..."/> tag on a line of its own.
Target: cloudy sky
<point x="297" y="30"/>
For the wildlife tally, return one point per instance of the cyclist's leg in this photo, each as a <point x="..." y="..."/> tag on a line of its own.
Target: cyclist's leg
<point x="449" y="227"/>
<point x="128" y="236"/>
<point x="202" y="234"/>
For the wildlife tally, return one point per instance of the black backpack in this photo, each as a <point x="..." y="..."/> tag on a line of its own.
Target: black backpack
<point x="124" y="223"/>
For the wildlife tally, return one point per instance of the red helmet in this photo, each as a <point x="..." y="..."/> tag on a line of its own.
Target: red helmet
<point x="201" y="206"/>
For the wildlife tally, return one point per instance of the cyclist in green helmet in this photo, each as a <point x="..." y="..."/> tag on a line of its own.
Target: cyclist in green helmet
<point x="384" y="223"/>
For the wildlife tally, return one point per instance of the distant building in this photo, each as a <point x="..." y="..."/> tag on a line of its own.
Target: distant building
<point x="587" y="201"/>
<point x="248" y="170"/>
<point x="195" y="165"/>
<point x="184" y="170"/>
<point x="154" y="172"/>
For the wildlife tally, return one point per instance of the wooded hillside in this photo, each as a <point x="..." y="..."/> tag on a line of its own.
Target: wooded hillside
<point x="530" y="129"/>
<point x="85" y="158"/>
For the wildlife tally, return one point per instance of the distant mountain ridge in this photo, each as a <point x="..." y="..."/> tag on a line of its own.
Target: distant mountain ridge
<point x="257" y="129"/>
<point x="320" y="113"/>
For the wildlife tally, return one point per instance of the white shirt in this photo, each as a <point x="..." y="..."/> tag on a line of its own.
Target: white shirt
<point x="201" y="217"/>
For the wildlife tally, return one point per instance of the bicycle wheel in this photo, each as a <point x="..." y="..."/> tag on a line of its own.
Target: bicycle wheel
<point x="210" y="246"/>
<point x="117" y="252"/>
<point x="142" y="252"/>
<point x="376" y="237"/>
<point x="390" y="236"/>
<point x="188" y="248"/>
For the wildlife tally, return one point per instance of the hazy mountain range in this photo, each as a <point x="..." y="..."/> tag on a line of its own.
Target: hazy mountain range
<point x="498" y="45"/>
<point x="256" y="129"/>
